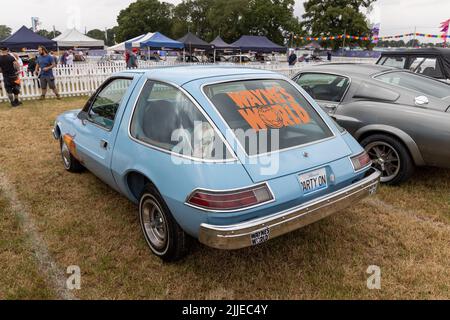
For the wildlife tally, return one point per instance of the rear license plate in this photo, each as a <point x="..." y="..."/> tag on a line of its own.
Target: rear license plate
<point x="260" y="236"/>
<point x="314" y="181"/>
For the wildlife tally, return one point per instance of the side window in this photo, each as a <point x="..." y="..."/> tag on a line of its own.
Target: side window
<point x="428" y="66"/>
<point x="396" y="62"/>
<point x="321" y="86"/>
<point x="104" y="107"/>
<point x="166" y="118"/>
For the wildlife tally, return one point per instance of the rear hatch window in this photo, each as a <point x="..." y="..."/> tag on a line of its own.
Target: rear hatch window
<point x="267" y="115"/>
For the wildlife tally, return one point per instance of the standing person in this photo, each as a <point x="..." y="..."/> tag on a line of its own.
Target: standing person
<point x="63" y="59"/>
<point x="10" y="69"/>
<point x="132" y="61"/>
<point x="127" y="57"/>
<point x="55" y="57"/>
<point x="70" y="58"/>
<point x="32" y="64"/>
<point x="292" y="59"/>
<point x="44" y="68"/>
<point x="329" y="55"/>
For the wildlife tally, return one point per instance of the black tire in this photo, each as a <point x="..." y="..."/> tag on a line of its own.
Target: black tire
<point x="70" y="163"/>
<point x="375" y="144"/>
<point x="169" y="242"/>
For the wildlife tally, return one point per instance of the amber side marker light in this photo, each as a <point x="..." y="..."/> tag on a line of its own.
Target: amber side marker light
<point x="231" y="200"/>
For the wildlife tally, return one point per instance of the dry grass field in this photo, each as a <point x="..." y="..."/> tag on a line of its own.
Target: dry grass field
<point x="50" y="219"/>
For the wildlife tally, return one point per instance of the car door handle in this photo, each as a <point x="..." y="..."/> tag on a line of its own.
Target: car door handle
<point x="104" y="144"/>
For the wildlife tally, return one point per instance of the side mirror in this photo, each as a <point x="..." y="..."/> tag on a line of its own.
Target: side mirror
<point x="83" y="116"/>
<point x="421" y="101"/>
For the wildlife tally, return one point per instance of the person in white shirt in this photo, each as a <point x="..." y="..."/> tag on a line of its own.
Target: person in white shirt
<point x="69" y="59"/>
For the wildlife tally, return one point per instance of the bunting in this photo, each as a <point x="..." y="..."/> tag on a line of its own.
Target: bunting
<point x="366" y="38"/>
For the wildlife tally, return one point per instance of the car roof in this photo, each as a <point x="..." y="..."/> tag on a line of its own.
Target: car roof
<point x="349" y="69"/>
<point x="426" y="51"/>
<point x="181" y="75"/>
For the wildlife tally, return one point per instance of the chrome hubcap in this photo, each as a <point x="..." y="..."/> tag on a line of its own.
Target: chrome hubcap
<point x="155" y="225"/>
<point x="385" y="158"/>
<point x="65" y="155"/>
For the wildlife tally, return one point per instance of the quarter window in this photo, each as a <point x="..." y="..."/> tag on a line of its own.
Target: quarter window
<point x="428" y="66"/>
<point x="167" y="119"/>
<point x="105" y="105"/>
<point x="396" y="62"/>
<point x="325" y="87"/>
<point x="427" y="86"/>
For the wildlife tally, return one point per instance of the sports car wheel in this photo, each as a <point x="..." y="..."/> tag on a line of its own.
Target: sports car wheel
<point x="390" y="157"/>
<point x="162" y="233"/>
<point x="70" y="163"/>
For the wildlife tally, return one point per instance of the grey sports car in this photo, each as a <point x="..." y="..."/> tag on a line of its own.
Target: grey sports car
<point x="402" y="119"/>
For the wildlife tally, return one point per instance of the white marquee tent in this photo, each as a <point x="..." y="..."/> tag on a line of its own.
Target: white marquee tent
<point x="73" y="38"/>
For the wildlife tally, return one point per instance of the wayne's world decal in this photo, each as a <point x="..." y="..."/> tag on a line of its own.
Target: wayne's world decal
<point x="269" y="108"/>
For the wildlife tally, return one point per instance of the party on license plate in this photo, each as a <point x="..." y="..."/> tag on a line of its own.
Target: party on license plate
<point x="314" y="181"/>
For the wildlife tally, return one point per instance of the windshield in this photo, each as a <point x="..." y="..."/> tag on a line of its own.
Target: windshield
<point x="427" y="86"/>
<point x="267" y="115"/>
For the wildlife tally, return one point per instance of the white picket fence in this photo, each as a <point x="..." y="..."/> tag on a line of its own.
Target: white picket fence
<point x="85" y="78"/>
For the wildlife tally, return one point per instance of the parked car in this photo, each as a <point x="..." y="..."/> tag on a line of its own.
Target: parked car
<point x="185" y="144"/>
<point x="112" y="58"/>
<point x="431" y="62"/>
<point x="240" y="58"/>
<point x="188" y="59"/>
<point x="401" y="118"/>
<point x="218" y="57"/>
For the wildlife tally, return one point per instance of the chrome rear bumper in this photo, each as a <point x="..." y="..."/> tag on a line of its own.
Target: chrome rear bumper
<point x="243" y="235"/>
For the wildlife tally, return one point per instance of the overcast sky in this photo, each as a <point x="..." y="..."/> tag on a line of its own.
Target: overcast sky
<point x="396" y="16"/>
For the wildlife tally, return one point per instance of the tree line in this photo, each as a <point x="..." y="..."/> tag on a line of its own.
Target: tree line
<point x="209" y="18"/>
<point x="232" y="18"/>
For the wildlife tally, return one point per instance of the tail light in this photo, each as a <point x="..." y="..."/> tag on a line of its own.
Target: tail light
<point x="361" y="161"/>
<point x="231" y="200"/>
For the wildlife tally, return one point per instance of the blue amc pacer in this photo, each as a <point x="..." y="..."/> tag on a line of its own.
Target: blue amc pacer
<point x="230" y="156"/>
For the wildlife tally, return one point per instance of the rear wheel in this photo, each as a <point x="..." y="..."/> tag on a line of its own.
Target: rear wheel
<point x="70" y="163"/>
<point x="390" y="157"/>
<point x="162" y="233"/>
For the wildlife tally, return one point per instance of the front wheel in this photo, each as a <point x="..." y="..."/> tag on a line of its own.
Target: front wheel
<point x="162" y="233"/>
<point x="390" y="157"/>
<point x="70" y="163"/>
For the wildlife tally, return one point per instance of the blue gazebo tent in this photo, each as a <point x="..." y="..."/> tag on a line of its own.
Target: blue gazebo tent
<point x="136" y="42"/>
<point x="153" y="40"/>
<point x="258" y="44"/>
<point x="192" y="42"/>
<point x="219" y="44"/>
<point x="25" y="38"/>
<point x="159" y="41"/>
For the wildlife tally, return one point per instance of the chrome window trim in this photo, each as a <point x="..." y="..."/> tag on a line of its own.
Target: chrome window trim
<point x="332" y="74"/>
<point x="197" y="105"/>
<point x="230" y="190"/>
<point x="202" y="89"/>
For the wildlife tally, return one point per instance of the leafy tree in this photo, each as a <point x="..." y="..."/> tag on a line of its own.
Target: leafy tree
<point x="413" y="43"/>
<point x="272" y="18"/>
<point x="96" y="34"/>
<point x="193" y="16"/>
<point x="108" y="37"/>
<point x="144" y="16"/>
<point x="48" y="34"/>
<point x="334" y="17"/>
<point x="5" y="32"/>
<point x="227" y="18"/>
